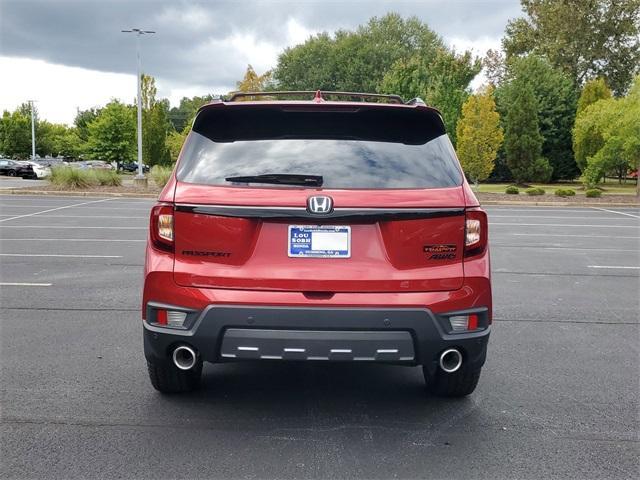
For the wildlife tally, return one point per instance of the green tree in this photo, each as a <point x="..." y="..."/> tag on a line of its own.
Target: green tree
<point x="522" y="138"/>
<point x="155" y="124"/>
<point x="443" y="82"/>
<point x="584" y="38"/>
<point x="309" y="66"/>
<point x="386" y="55"/>
<point x="82" y="121"/>
<point x="64" y="141"/>
<point x="51" y="139"/>
<point x="587" y="139"/>
<point x="46" y="133"/>
<point x="175" y="140"/>
<point x="15" y="141"/>
<point x="592" y="91"/>
<point x="112" y="135"/>
<point x="479" y="135"/>
<point x="355" y="60"/>
<point x="182" y="115"/>
<point x="556" y="99"/>
<point x="607" y="136"/>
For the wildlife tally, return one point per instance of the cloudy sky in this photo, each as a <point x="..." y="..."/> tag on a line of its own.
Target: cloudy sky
<point x="70" y="54"/>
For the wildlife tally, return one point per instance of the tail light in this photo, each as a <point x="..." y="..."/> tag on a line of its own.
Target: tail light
<point x="161" y="225"/>
<point x="475" y="232"/>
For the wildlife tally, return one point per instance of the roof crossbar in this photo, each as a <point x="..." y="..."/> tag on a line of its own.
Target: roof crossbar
<point x="318" y="95"/>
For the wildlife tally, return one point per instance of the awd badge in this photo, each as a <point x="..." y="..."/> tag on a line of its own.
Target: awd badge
<point x="440" y="252"/>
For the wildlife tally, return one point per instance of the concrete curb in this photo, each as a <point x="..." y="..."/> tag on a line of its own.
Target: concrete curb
<point x="71" y="193"/>
<point x="64" y="193"/>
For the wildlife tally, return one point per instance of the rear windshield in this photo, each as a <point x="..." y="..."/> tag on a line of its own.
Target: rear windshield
<point x="348" y="148"/>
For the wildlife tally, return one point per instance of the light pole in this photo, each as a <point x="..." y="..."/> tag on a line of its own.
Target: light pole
<point x="140" y="178"/>
<point x="33" y="133"/>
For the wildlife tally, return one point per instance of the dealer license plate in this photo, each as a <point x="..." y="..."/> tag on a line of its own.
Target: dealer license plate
<point x="327" y="241"/>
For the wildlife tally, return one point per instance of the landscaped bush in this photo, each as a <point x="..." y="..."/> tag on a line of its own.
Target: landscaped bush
<point x="512" y="190"/>
<point x="535" y="191"/>
<point x="160" y="174"/>
<point x="109" y="178"/>
<point x="565" y="192"/>
<point x="72" y="178"/>
<point x="593" y="193"/>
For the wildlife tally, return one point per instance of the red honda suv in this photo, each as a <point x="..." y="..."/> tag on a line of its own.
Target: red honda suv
<point x="336" y="228"/>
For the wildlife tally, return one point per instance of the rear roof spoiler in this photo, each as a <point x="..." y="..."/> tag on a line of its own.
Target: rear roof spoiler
<point x="279" y="120"/>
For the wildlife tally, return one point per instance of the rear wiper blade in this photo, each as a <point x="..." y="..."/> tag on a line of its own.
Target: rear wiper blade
<point x="280" y="179"/>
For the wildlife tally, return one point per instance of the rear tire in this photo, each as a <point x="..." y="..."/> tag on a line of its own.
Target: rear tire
<point x="167" y="378"/>
<point x="11" y="173"/>
<point x="457" y="384"/>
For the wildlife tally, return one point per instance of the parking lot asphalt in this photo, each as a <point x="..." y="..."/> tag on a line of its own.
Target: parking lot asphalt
<point x="559" y="396"/>
<point x="7" y="183"/>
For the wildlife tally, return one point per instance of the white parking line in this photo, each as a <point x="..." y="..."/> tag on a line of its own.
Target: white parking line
<point x="73" y="227"/>
<point x="540" y="209"/>
<point x="10" y="205"/>
<point x="54" y="209"/>
<point x="56" y="255"/>
<point x="614" y="266"/>
<point x="613" y="211"/>
<point x="562" y="225"/>
<point x="23" y="201"/>
<point x="69" y="240"/>
<point x="82" y="207"/>
<point x="564" y="235"/>
<point x="83" y="216"/>
<point x="569" y="247"/>
<point x="560" y="217"/>
<point x="22" y="284"/>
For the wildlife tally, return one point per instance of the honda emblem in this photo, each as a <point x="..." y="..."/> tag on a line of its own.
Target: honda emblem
<point x="320" y="205"/>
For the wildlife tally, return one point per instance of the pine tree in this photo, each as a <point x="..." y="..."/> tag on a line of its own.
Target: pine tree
<point x="556" y="99"/>
<point x="523" y="141"/>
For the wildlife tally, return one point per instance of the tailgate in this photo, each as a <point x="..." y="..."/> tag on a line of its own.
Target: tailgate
<point x="249" y="247"/>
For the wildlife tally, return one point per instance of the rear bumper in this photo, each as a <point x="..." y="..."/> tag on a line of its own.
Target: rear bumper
<point x="412" y="336"/>
<point x="215" y="313"/>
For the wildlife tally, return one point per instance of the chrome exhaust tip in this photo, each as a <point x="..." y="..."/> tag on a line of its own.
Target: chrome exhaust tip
<point x="450" y="360"/>
<point x="184" y="357"/>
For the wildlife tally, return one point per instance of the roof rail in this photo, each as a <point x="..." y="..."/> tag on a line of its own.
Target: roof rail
<point x="317" y="95"/>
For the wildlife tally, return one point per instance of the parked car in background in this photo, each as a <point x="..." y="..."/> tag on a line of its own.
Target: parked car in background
<point x="13" y="168"/>
<point x="79" y="165"/>
<point x="41" y="171"/>
<point x="98" y="164"/>
<point x="131" y="167"/>
<point x="52" y="162"/>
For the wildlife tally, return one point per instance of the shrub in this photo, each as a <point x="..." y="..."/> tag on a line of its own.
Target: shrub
<point x="72" y="178"/>
<point x="535" y="191"/>
<point x="512" y="190"/>
<point x="109" y="178"/>
<point x="593" y="193"/>
<point x="565" y="192"/>
<point x="160" y="174"/>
